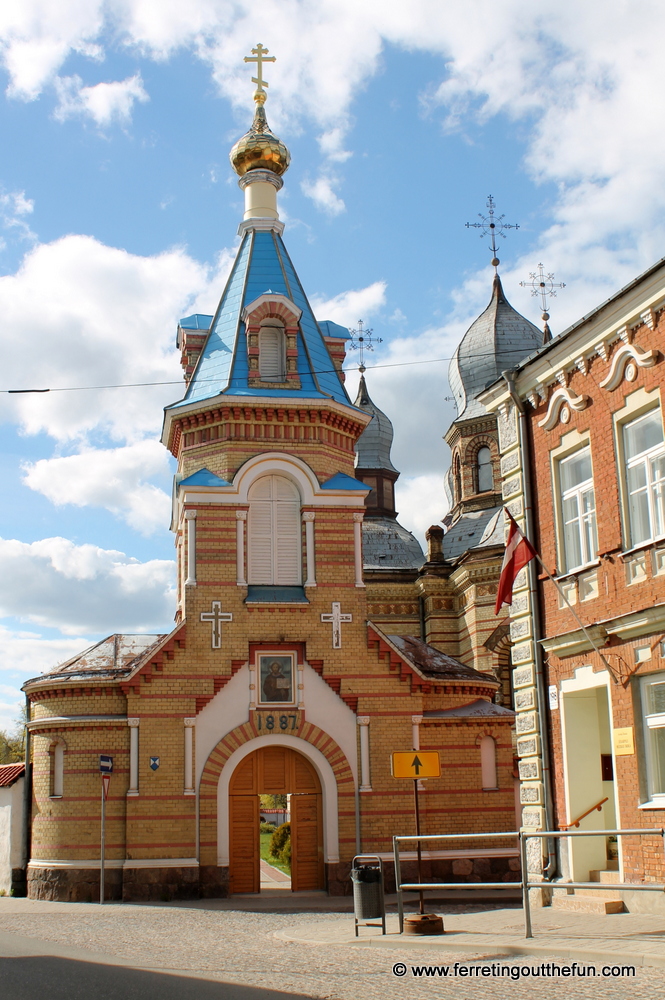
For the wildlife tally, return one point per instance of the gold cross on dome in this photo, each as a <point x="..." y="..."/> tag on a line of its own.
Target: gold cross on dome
<point x="259" y="56"/>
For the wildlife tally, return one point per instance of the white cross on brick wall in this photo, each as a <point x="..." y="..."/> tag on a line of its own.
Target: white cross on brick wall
<point x="336" y="618"/>
<point x="216" y="616"/>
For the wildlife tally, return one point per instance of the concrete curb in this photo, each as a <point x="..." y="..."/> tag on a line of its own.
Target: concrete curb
<point x="548" y="947"/>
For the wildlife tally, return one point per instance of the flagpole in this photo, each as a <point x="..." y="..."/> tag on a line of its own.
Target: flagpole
<point x="505" y="595"/>
<point x="577" y="618"/>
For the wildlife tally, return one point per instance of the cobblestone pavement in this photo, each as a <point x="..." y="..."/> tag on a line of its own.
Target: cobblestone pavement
<point x="240" y="947"/>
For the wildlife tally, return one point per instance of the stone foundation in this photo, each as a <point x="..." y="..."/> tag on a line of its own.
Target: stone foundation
<point x="213" y="882"/>
<point x="151" y="885"/>
<point x="455" y="870"/>
<point x="437" y="870"/>
<point x="73" y="885"/>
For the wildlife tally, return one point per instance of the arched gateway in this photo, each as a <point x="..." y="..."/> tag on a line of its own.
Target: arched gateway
<point x="275" y="770"/>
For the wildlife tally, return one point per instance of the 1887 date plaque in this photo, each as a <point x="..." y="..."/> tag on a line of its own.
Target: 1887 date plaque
<point x="268" y="722"/>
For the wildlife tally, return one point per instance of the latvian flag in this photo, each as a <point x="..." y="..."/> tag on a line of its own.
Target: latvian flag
<point x="519" y="552"/>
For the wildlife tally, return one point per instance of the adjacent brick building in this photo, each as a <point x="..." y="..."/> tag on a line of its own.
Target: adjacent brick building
<point x="583" y="466"/>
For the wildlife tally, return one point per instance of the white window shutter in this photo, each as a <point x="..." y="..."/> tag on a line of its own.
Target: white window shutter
<point x="271" y="354"/>
<point x="274" y="533"/>
<point x="287" y="559"/>
<point x="259" y="555"/>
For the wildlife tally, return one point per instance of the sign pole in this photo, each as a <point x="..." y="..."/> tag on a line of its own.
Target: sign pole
<point x="106" y="770"/>
<point x="102" y="846"/>
<point x="420" y="855"/>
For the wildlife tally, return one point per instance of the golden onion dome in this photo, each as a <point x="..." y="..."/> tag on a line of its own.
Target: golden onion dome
<point x="260" y="149"/>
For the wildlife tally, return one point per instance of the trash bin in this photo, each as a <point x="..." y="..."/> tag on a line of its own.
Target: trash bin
<point x="368" y="901"/>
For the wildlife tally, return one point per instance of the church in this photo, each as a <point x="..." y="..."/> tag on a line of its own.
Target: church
<point x="312" y="638"/>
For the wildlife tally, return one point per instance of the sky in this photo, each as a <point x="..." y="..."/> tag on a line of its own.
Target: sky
<point x="119" y="211"/>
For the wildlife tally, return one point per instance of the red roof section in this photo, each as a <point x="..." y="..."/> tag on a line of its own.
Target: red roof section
<point x="9" y="773"/>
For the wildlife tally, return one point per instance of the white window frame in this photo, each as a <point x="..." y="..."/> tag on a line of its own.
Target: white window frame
<point x="488" y="464"/>
<point x="586" y="520"/>
<point x="654" y="489"/>
<point x="651" y="721"/>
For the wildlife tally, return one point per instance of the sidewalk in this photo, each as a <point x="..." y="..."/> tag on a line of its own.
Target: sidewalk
<point x="621" y="938"/>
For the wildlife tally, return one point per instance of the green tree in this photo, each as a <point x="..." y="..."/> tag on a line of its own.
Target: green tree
<point x="273" y="801"/>
<point x="11" y="747"/>
<point x="12" y="743"/>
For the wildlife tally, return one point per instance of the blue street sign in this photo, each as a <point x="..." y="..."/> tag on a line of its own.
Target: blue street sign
<point x="105" y="763"/>
<point x="154" y="763"/>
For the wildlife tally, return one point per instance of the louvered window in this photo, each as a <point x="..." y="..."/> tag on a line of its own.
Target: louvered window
<point x="271" y="354"/>
<point x="274" y="549"/>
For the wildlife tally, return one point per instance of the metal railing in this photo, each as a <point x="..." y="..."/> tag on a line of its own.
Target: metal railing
<point x="522" y="836"/>
<point x="422" y="886"/>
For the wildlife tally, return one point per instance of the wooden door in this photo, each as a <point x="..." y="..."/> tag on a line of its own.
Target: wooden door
<point x="306" y="843"/>
<point x="244" y="873"/>
<point x="275" y="770"/>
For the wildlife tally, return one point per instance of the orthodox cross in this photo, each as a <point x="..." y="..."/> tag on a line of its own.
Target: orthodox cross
<point x="362" y="340"/>
<point x="492" y="225"/>
<point x="336" y="618"/>
<point x="259" y="56"/>
<point x="216" y="616"/>
<point x="543" y="284"/>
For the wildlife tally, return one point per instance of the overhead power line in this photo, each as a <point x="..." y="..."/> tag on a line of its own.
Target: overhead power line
<point x="142" y="385"/>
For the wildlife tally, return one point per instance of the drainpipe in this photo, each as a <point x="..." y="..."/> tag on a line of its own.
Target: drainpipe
<point x="524" y="439"/>
<point x="27" y="799"/>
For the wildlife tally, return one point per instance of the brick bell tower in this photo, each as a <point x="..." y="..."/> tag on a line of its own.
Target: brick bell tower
<point x="265" y="434"/>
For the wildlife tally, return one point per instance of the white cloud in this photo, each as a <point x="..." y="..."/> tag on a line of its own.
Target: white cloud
<point x="14" y="207"/>
<point x="105" y="103"/>
<point x="420" y="502"/>
<point x="322" y="193"/>
<point x="587" y="85"/>
<point x="37" y="36"/>
<point x="84" y="588"/>
<point x="347" y="307"/>
<point x="331" y="145"/>
<point x="28" y="653"/>
<point x="93" y="315"/>
<point x="114" y="478"/>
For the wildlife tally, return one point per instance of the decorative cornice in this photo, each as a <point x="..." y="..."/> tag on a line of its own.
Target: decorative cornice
<point x="261" y="226"/>
<point x="570" y="643"/>
<point x="261" y="177"/>
<point x="69" y="720"/>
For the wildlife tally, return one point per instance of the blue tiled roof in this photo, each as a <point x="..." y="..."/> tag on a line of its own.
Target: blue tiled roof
<point x="340" y="481"/>
<point x="330" y="329"/>
<point x="198" y="321"/>
<point x="204" y="477"/>
<point x="262" y="265"/>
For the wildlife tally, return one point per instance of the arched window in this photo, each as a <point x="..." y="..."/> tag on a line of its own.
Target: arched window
<point x="274" y="549"/>
<point x="484" y="466"/>
<point x="272" y="353"/>
<point x="488" y="763"/>
<point x="457" y="479"/>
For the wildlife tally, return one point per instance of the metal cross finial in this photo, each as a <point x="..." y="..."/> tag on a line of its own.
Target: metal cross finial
<point x="543" y="284"/>
<point x="492" y="225"/>
<point x="361" y="340"/>
<point x="259" y="56"/>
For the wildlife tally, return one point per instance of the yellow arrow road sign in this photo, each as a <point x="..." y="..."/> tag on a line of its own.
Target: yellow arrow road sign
<point x="415" y="764"/>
